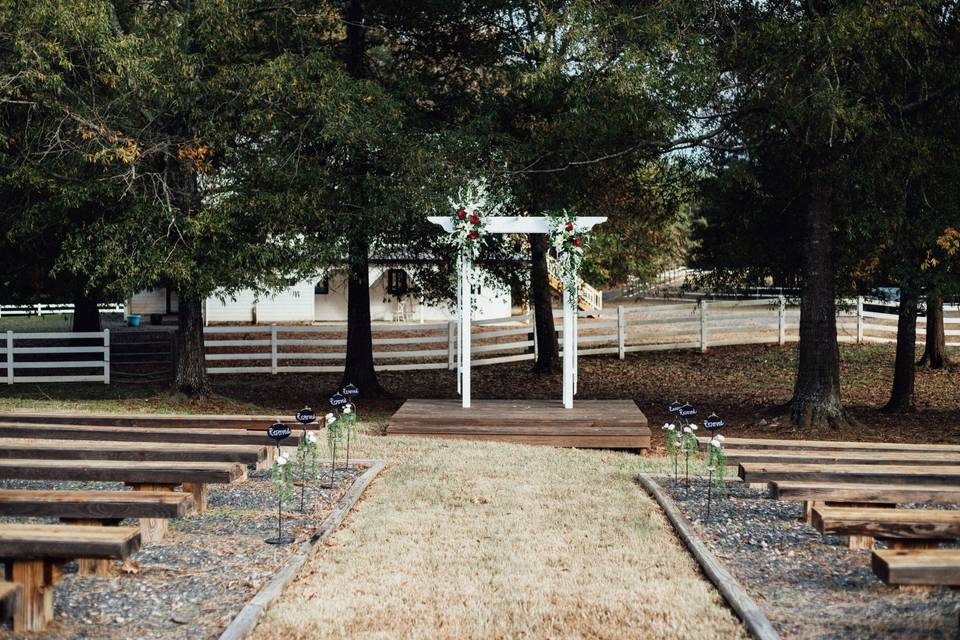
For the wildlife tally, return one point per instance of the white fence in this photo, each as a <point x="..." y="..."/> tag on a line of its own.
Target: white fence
<point x="41" y="310"/>
<point x="45" y="351"/>
<point x="402" y="347"/>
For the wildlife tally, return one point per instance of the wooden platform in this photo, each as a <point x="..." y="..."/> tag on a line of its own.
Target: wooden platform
<point x="591" y="424"/>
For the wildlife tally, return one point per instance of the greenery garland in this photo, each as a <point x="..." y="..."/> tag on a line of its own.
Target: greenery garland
<point x="568" y="242"/>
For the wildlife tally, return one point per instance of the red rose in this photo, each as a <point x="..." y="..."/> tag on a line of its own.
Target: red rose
<point x="569" y="226"/>
<point x="473" y="235"/>
<point x="475" y="219"/>
<point x="576" y="242"/>
<point x="461" y="214"/>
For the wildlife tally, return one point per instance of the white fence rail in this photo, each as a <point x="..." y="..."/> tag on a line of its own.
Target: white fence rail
<point x="30" y="352"/>
<point x="41" y="310"/>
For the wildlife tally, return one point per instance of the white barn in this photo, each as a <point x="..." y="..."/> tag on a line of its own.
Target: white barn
<point x="325" y="300"/>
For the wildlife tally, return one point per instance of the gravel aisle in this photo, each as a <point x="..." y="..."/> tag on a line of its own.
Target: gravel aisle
<point x="810" y="586"/>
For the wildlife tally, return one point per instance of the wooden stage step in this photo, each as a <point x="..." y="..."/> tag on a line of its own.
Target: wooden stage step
<point x="918" y="566"/>
<point x="590" y="424"/>
<point x="888" y="524"/>
<point x="858" y="492"/>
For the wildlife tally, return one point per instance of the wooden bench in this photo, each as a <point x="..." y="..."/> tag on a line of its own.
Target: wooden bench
<point x="901" y="527"/>
<point x="141" y="452"/>
<point x="99" y="508"/>
<point x="194" y="477"/>
<point x="840" y="492"/>
<point x="34" y="556"/>
<point x="830" y="445"/>
<point x="257" y="422"/>
<point x="10" y="595"/>
<point x="760" y="472"/>
<point x="934" y="567"/>
<point x="737" y="456"/>
<point x="139" y="434"/>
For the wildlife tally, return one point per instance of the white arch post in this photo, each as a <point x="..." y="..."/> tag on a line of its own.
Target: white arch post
<point x="514" y="224"/>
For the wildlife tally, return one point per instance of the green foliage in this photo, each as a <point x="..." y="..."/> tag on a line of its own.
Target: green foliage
<point x="282" y="476"/>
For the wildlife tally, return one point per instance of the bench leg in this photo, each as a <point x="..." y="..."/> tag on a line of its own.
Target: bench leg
<point x="199" y="492"/>
<point x="808" y="507"/>
<point x="153" y="529"/>
<point x="36" y="577"/>
<point x="99" y="567"/>
<point x="860" y="542"/>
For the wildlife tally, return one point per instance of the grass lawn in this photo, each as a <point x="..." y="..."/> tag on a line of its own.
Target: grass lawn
<point x="472" y="539"/>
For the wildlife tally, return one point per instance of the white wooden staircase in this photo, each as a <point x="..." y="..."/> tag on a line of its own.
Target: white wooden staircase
<point x="588" y="298"/>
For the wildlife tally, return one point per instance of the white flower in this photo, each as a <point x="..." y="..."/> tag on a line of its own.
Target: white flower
<point x="348" y="409"/>
<point x="715" y="443"/>
<point x="687" y="430"/>
<point x="311" y="437"/>
<point x="719" y="437"/>
<point x="281" y="460"/>
<point x="668" y="426"/>
<point x="330" y="418"/>
<point x="693" y="426"/>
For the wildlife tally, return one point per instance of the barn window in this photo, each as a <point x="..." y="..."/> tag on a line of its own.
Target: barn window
<point x="322" y="288"/>
<point x="396" y="282"/>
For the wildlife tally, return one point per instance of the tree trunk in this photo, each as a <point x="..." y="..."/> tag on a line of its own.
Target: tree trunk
<point x="191" y="375"/>
<point x="548" y="351"/>
<point x="816" y="393"/>
<point x="935" y="344"/>
<point x="902" y="397"/>
<point x="359" y="366"/>
<point x="86" y="314"/>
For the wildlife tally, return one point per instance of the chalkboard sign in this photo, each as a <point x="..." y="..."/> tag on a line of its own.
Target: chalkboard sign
<point x="278" y="432"/>
<point x="713" y="422"/>
<point x="687" y="411"/>
<point x="338" y="400"/>
<point x="306" y="416"/>
<point x="351" y="391"/>
<point x="675" y="407"/>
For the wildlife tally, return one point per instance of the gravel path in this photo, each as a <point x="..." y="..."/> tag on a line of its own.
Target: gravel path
<point x="810" y="586"/>
<point x="195" y="581"/>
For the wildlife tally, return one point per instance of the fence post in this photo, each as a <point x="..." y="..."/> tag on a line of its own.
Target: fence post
<point x="536" y="343"/>
<point x="39" y="309"/>
<point x="703" y="325"/>
<point x="451" y="342"/>
<point x="782" y="321"/>
<point x="106" y="356"/>
<point x="621" y="332"/>
<point x="273" y="349"/>
<point x="859" y="319"/>
<point x="9" y="357"/>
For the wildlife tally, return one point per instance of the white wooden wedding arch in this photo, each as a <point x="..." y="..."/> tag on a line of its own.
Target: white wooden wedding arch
<point x="514" y="224"/>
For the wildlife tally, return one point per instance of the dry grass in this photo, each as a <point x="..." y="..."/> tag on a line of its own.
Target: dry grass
<point x="472" y="539"/>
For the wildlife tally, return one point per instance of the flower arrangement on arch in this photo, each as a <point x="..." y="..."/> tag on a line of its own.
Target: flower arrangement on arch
<point x="568" y="243"/>
<point x="468" y="220"/>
